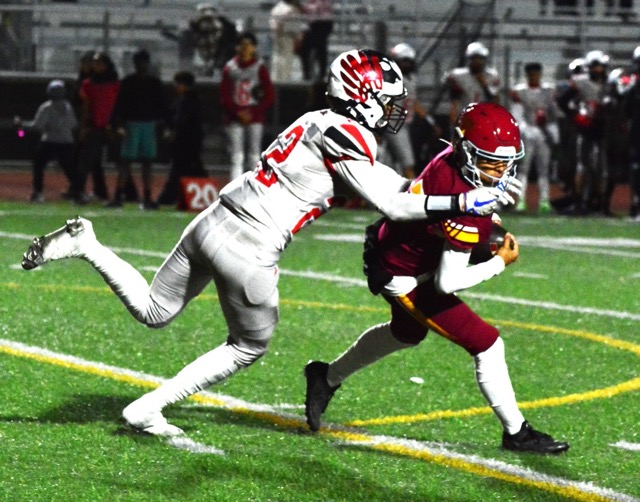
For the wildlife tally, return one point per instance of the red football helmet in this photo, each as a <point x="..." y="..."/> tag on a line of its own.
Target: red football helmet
<point x="365" y="85"/>
<point x="487" y="130"/>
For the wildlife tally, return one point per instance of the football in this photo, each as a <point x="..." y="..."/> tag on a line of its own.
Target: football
<point x="484" y="251"/>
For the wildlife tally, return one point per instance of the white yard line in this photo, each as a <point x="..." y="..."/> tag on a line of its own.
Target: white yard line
<point x="626" y="445"/>
<point x="347" y="281"/>
<point x="427" y="451"/>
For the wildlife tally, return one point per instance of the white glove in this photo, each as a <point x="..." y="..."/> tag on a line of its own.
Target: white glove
<point x="480" y="201"/>
<point x="509" y="187"/>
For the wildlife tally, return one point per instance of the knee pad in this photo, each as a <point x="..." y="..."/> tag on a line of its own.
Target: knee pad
<point x="248" y="348"/>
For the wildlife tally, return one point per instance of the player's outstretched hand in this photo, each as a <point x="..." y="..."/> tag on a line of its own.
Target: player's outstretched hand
<point x="480" y="201"/>
<point x="509" y="187"/>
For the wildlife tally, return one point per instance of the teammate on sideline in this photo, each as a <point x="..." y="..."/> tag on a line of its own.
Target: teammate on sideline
<point x="419" y="266"/>
<point x="238" y="240"/>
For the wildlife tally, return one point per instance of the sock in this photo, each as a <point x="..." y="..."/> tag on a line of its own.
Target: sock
<point x="126" y="282"/>
<point x="208" y="369"/>
<point x="493" y="378"/>
<point x="372" y="345"/>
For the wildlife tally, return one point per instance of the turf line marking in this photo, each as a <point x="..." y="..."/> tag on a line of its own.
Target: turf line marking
<point x="626" y="445"/>
<point x="185" y="443"/>
<point x="338" y="306"/>
<point x="602" y="393"/>
<point x="570" y="244"/>
<point x="494" y="469"/>
<point x="478" y="296"/>
<point x="362" y="283"/>
<point x="428" y="452"/>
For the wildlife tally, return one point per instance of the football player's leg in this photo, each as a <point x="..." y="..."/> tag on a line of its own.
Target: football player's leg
<point x="465" y="328"/>
<point x="324" y="379"/>
<point x="524" y="166"/>
<point x="255" y="133"/>
<point x="374" y="344"/>
<point x="74" y="240"/>
<point x="544" y="161"/>
<point x="235" y="133"/>
<point x="249" y="299"/>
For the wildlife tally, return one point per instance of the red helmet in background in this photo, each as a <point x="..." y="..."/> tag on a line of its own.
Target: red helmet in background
<point x="486" y="130"/>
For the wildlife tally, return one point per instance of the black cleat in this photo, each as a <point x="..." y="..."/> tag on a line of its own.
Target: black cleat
<point x="530" y="440"/>
<point x="319" y="392"/>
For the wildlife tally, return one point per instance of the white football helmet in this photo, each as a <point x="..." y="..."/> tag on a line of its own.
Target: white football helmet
<point x="596" y="57"/>
<point x="636" y="55"/>
<point x="365" y="85"/>
<point x="476" y="49"/>
<point x="403" y="51"/>
<point x="577" y="66"/>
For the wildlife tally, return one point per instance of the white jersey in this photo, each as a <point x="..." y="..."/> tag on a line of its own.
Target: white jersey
<point x="535" y="101"/>
<point x="302" y="171"/>
<point x="465" y="87"/>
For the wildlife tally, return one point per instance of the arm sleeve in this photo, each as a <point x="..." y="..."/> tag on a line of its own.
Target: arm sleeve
<point x="39" y="122"/>
<point x="386" y="190"/>
<point x="454" y="274"/>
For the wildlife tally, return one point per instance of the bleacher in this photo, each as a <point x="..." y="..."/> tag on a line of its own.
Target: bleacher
<point x="516" y="31"/>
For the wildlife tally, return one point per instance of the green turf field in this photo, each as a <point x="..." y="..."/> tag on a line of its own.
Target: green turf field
<point x="71" y="358"/>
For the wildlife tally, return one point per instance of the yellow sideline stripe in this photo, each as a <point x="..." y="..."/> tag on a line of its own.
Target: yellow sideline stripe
<point x="478" y="468"/>
<point x="484" y="471"/>
<point x="203" y="296"/>
<point x="604" y="393"/>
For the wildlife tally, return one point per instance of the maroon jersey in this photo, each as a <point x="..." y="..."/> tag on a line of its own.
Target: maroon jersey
<point x="414" y="248"/>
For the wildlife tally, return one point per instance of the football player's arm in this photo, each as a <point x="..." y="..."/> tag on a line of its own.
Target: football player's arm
<point x="386" y="190"/>
<point x="455" y="274"/>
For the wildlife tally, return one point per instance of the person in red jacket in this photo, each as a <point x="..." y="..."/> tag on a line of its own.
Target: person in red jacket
<point x="246" y="93"/>
<point x="98" y="94"/>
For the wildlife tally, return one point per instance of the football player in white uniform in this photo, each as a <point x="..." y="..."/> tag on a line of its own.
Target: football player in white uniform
<point x="474" y="83"/>
<point x="584" y="102"/>
<point x="237" y="241"/>
<point x="534" y="107"/>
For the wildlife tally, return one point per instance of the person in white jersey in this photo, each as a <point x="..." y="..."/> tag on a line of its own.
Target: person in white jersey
<point x="474" y="83"/>
<point x="238" y="240"/>
<point x="533" y="104"/>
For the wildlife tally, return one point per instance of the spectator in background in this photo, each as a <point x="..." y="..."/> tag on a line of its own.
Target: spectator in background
<point x="185" y="134"/>
<point x="56" y="122"/>
<point x="568" y="132"/>
<point x="473" y="83"/>
<point x="534" y="107"/>
<point x="98" y="94"/>
<point x="209" y="34"/>
<point x="85" y="69"/>
<point x="416" y="140"/>
<point x="632" y="107"/>
<point x="315" y="43"/>
<point x="616" y="132"/>
<point x="583" y="101"/>
<point x="138" y="110"/>
<point x="246" y="93"/>
<point x="286" y="25"/>
<point x="398" y="146"/>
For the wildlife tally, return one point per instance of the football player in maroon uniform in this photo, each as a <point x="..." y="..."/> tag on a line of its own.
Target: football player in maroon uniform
<point x="419" y="266"/>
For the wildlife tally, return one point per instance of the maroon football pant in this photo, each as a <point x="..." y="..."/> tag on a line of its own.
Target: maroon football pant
<point x="414" y="314"/>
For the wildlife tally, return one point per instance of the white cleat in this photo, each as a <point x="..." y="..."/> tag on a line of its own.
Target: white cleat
<point x="149" y="421"/>
<point x="67" y="242"/>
